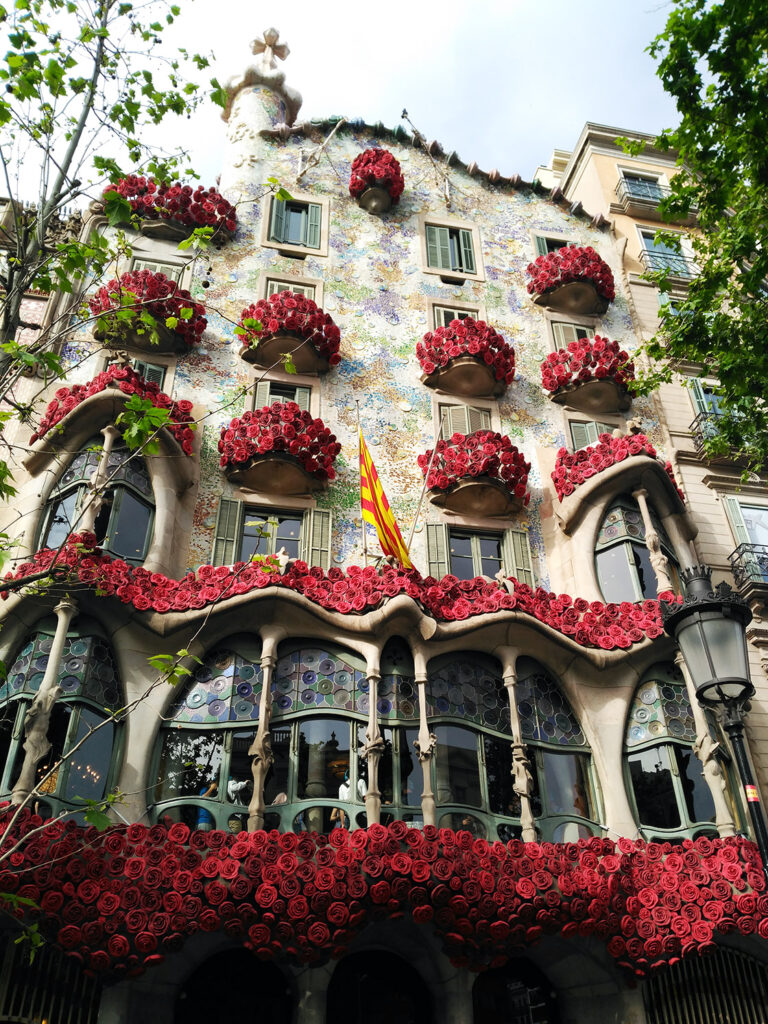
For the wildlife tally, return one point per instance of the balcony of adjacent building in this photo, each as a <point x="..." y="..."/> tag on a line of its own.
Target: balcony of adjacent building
<point x="639" y="195"/>
<point x="749" y="560"/>
<point x="669" y="255"/>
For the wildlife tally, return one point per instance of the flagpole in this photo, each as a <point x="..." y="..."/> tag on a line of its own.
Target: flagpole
<point x="424" y="488"/>
<point x="360" y="472"/>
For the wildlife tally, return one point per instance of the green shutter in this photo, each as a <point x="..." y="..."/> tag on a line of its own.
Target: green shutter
<point x="454" y="419"/>
<point x="580" y="435"/>
<point x="302" y="398"/>
<point x="467" y="253"/>
<point x="736" y="519"/>
<point x="698" y="395"/>
<point x="316" y="538"/>
<point x="477" y="419"/>
<point x="438" y="247"/>
<point x="151" y="372"/>
<point x="227" y="533"/>
<point x="541" y="245"/>
<point x="261" y="395"/>
<point x="314" y="221"/>
<point x="437" y="550"/>
<point x="564" y="334"/>
<point x="277" y="221"/>
<point x="516" y="553"/>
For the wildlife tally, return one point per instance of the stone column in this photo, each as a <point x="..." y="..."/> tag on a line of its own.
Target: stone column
<point x="705" y="748"/>
<point x="659" y="560"/>
<point x="425" y="749"/>
<point x="98" y="482"/>
<point x="38" y="717"/>
<point x="260" y="750"/>
<point x="372" y="752"/>
<point x="521" y="766"/>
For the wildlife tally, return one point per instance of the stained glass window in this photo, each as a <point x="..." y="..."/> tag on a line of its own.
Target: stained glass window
<point x="398" y="693"/>
<point x="545" y="714"/>
<point x="661" y="709"/>
<point x="87" y="669"/>
<point x="312" y="678"/>
<point x="470" y="688"/>
<point x="225" y="688"/>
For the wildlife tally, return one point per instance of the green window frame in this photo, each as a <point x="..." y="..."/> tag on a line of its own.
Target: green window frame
<point x="545" y="245"/>
<point x="153" y="373"/>
<point x="172" y="271"/>
<point x="586" y="432"/>
<point x="268" y="391"/>
<point x="293" y="222"/>
<point x="277" y="285"/>
<point x="450" y="249"/>
<point x="622" y="560"/>
<point x="314" y="541"/>
<point x="515" y="552"/>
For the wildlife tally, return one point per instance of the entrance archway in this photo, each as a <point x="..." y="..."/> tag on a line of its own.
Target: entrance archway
<point x="376" y="987"/>
<point x="235" y="986"/>
<point x="517" y="993"/>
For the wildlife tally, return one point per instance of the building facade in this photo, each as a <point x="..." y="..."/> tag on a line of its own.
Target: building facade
<point x="480" y="790"/>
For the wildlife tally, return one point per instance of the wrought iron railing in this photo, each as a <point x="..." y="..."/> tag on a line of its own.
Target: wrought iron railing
<point x="749" y="565"/>
<point x="650" y="191"/>
<point x="676" y="264"/>
<point x="704" y="428"/>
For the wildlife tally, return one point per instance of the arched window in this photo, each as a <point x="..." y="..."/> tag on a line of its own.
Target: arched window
<point x="564" y="799"/>
<point x="89" y="683"/>
<point x="623" y="562"/>
<point x="468" y="710"/>
<point x="400" y="777"/>
<point x="202" y="768"/>
<point x="123" y="524"/>
<point x="670" y="794"/>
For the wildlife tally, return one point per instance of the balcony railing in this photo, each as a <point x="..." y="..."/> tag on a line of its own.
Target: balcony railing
<point x="645" y="191"/>
<point x="704" y="428"/>
<point x="677" y="265"/>
<point x="749" y="565"/>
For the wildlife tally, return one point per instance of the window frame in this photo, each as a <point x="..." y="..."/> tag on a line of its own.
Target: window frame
<point x="653" y="177"/>
<point x="685" y="253"/>
<point x="474" y="309"/>
<point x="517" y="556"/>
<point x="572" y="421"/>
<point x="261" y="393"/>
<point x="590" y="324"/>
<point x="539" y="238"/>
<point x="450" y="275"/>
<point x="157" y="261"/>
<point x="482" y="406"/>
<point x="316" y="531"/>
<point x="291" y="248"/>
<point x="629" y="542"/>
<point x="291" y="282"/>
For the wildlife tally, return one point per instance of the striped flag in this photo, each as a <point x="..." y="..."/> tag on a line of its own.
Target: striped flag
<point x="376" y="510"/>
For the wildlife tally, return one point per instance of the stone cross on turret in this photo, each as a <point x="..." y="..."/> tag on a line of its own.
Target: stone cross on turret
<point x="269" y="46"/>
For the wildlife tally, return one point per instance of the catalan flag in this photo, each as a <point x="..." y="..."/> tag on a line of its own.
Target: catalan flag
<point x="376" y="509"/>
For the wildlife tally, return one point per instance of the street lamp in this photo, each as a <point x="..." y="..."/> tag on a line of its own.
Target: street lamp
<point x="709" y="627"/>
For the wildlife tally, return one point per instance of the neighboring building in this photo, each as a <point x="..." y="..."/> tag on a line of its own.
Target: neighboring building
<point x="344" y="697"/>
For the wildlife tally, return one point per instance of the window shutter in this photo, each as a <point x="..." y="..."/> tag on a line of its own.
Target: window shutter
<point x="302" y="398"/>
<point x="277" y="220"/>
<point x="580" y="435"/>
<point x="516" y="555"/>
<point x="477" y="419"/>
<point x="541" y="245"/>
<point x="316" y="538"/>
<point x="261" y="396"/>
<point x="151" y="372"/>
<point x="314" y="221"/>
<point x="564" y="334"/>
<point x="736" y="519"/>
<point x="171" y="270"/>
<point x="438" y="247"/>
<point x="227" y="532"/>
<point x="698" y="395"/>
<point x="455" y="420"/>
<point x="467" y="253"/>
<point x="437" y="550"/>
<point x="273" y="287"/>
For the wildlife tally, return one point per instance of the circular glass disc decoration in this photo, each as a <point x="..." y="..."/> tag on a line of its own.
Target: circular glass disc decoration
<point x="341" y="698"/>
<point x="648" y="696"/>
<point x="243" y="708"/>
<point x="309" y="678"/>
<point x="69" y="684"/>
<point x="195" y="699"/>
<point x="35" y="681"/>
<point x="442" y="705"/>
<point x="310" y="659"/>
<point x="284" y="685"/>
<point x="405" y="689"/>
<point x="669" y="692"/>
<point x="219" y="684"/>
<point x="244" y="689"/>
<point x="525" y="709"/>
<point x="324" y="686"/>
<point x="344" y="678"/>
<point x="491" y="716"/>
<point x="407" y="709"/>
<point x="642" y="714"/>
<point x="676" y="727"/>
<point x="73" y="665"/>
<point x="284" y="702"/>
<point x="386" y="686"/>
<point x="470" y="708"/>
<point x="307" y="697"/>
<point x="363" y="685"/>
<point x="455" y="696"/>
<point x="384" y="706"/>
<point x="563" y="723"/>
<point x="327" y="666"/>
<point x="364" y="704"/>
<point x="246" y="672"/>
<point x="656" y="728"/>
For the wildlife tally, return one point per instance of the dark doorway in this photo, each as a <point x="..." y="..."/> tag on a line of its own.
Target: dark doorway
<point x="377" y="988"/>
<point x="235" y="986"/>
<point x="517" y="993"/>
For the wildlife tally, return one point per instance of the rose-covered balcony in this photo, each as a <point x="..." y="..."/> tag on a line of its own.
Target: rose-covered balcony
<point x="280" y="449"/>
<point x="376" y="181"/>
<point x="477" y="474"/>
<point x="284" y="323"/>
<point x="572" y="280"/>
<point x="147" y="311"/>
<point x="468" y="358"/>
<point x="172" y="210"/>
<point x="592" y="376"/>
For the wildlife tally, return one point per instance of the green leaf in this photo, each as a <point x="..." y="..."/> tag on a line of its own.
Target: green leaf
<point x="288" y="364"/>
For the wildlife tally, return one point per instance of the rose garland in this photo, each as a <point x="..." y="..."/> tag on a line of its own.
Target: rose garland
<point x="484" y="453"/>
<point x="376" y="167"/>
<point x="571" y="263"/>
<point x="290" y="313"/>
<point x="586" y="360"/>
<point x="120" y="900"/>
<point x="467" y="337"/>
<point x="156" y="294"/>
<point x="130" y="383"/>
<point x="201" y="207"/>
<point x="589" y="624"/>
<point x="282" y="427"/>
<point x="573" y="468"/>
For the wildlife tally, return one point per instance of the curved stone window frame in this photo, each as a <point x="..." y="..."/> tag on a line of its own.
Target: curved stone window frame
<point x="623" y="515"/>
<point x="72" y="486"/>
<point x="549" y="767"/>
<point x="664" y="737"/>
<point x="76" y="712"/>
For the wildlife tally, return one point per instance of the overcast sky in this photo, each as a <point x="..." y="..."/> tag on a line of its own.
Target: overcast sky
<point x="502" y="82"/>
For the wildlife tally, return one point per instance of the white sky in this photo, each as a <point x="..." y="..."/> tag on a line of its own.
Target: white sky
<point x="503" y="82"/>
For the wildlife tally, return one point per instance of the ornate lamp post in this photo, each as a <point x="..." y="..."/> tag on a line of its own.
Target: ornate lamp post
<point x="709" y="627"/>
